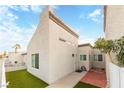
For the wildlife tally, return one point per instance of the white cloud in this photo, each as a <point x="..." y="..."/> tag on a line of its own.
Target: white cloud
<point x="10" y="32"/>
<point x="36" y="9"/>
<point x="25" y="7"/>
<point x="96" y="15"/>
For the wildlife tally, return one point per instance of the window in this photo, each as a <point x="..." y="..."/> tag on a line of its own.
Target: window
<point x="83" y="58"/>
<point x="35" y="61"/>
<point x="100" y="58"/>
<point x="95" y="57"/>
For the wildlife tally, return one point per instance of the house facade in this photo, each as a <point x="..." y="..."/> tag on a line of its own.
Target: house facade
<point x="90" y="57"/>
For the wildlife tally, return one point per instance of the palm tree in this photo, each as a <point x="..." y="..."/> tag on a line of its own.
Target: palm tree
<point x="16" y="47"/>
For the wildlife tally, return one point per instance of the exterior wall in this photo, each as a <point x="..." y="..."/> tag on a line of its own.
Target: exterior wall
<point x="12" y="57"/>
<point x="40" y="44"/>
<point x="85" y="50"/>
<point x="61" y="60"/>
<point x="114" y="29"/>
<point x="114" y="21"/>
<point x="98" y="64"/>
<point x="14" y="68"/>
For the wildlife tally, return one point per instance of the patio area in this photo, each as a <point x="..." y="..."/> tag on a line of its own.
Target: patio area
<point x="96" y="77"/>
<point x="23" y="79"/>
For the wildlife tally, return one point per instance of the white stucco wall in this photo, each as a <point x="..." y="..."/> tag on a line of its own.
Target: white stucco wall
<point x="61" y="60"/>
<point x="12" y="57"/>
<point x="40" y="44"/>
<point x="85" y="50"/>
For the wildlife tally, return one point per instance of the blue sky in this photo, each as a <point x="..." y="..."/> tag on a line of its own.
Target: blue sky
<point x="18" y="23"/>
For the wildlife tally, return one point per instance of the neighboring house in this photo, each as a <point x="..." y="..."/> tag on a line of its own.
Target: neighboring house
<point x="84" y="55"/>
<point x="114" y="29"/>
<point x="52" y="51"/>
<point x="16" y="58"/>
<point x="15" y="61"/>
<point x="90" y="57"/>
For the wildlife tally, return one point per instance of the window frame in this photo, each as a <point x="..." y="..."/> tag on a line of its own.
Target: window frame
<point x="35" y="60"/>
<point x="83" y="57"/>
<point x="100" y="56"/>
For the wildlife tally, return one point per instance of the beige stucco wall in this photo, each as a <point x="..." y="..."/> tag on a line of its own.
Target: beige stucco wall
<point x="85" y="50"/>
<point x="114" y="27"/>
<point x="40" y="44"/>
<point x="114" y="21"/>
<point x="61" y="60"/>
<point x="99" y="64"/>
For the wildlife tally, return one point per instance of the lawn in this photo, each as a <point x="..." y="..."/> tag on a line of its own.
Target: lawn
<point x="84" y="85"/>
<point x="23" y="79"/>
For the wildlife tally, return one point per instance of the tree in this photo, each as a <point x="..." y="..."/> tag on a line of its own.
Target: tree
<point x="115" y="46"/>
<point x="119" y="49"/>
<point x="105" y="46"/>
<point x="16" y="47"/>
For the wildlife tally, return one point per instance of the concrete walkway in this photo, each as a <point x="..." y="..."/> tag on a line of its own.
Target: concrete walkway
<point x="68" y="81"/>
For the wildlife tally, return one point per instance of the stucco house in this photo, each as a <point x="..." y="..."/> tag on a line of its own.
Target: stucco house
<point x="90" y="57"/>
<point x="114" y="29"/>
<point x="52" y="51"/>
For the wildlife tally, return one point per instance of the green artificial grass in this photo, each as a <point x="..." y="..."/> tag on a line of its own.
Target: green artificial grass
<point x="23" y="79"/>
<point x="84" y="85"/>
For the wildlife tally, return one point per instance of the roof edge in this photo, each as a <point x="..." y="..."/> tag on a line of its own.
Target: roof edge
<point x="61" y="23"/>
<point x="86" y="44"/>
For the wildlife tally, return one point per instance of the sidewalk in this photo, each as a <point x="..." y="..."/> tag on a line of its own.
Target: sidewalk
<point x="68" y="81"/>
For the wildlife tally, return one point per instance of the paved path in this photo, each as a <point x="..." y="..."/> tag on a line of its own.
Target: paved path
<point x="95" y="77"/>
<point x="68" y="81"/>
